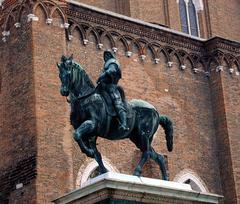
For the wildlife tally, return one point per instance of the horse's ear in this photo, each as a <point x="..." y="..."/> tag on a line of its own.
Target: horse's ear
<point x="71" y="57"/>
<point x="58" y="65"/>
<point x="63" y="59"/>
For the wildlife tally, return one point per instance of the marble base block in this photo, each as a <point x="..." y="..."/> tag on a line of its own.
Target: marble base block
<point x="115" y="188"/>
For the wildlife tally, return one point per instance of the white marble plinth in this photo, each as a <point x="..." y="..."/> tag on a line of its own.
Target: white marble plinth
<point x="132" y="189"/>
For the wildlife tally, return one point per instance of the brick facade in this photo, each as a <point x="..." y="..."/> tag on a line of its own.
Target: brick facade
<point x="199" y="92"/>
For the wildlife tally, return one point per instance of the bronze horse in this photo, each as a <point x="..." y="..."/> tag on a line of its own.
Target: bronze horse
<point x="92" y="117"/>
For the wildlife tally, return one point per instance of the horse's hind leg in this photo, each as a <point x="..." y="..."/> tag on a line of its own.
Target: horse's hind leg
<point x="144" y="158"/>
<point x="160" y="160"/>
<point x="143" y="145"/>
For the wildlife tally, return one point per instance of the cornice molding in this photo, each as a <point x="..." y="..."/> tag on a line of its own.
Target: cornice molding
<point x="143" y="31"/>
<point x="171" y="43"/>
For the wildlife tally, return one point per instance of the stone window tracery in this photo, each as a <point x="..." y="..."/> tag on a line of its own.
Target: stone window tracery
<point x="188" y="10"/>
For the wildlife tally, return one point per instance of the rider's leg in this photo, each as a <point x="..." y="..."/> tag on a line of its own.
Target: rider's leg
<point x="122" y="115"/>
<point x="119" y="106"/>
<point x="84" y="129"/>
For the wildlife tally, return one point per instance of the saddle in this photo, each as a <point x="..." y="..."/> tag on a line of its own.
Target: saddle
<point x="110" y="107"/>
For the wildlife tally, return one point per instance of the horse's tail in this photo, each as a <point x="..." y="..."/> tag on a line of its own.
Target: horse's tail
<point x="166" y="123"/>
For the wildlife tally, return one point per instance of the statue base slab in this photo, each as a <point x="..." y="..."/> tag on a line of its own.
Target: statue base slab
<point x="115" y="188"/>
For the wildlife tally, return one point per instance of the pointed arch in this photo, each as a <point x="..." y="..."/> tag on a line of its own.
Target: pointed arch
<point x="95" y="34"/>
<point x="138" y="45"/>
<point x="21" y="10"/>
<point x="59" y="10"/>
<point x="190" y="177"/>
<point x="79" y="29"/>
<point x="86" y="170"/>
<point x="42" y="7"/>
<point x="152" y="49"/>
<point x="10" y="15"/>
<point x="124" y="42"/>
<point x="109" y="37"/>
<point x="165" y="53"/>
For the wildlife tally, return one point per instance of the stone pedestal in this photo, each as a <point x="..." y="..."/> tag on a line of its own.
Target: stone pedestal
<point x="115" y="188"/>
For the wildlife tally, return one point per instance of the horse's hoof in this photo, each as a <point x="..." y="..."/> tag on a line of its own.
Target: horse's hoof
<point x="103" y="171"/>
<point x="165" y="178"/>
<point x="136" y="173"/>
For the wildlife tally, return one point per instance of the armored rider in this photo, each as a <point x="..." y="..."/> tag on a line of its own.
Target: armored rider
<point x="108" y="79"/>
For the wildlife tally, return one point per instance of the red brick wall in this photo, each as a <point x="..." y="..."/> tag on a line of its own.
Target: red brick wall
<point x="54" y="142"/>
<point x="17" y="109"/>
<point x="148" y="10"/>
<point x="231" y="85"/>
<point x="103" y="4"/>
<point x="224" y="18"/>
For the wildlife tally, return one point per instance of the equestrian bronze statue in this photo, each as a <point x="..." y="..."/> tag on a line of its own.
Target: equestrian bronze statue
<point x="103" y="111"/>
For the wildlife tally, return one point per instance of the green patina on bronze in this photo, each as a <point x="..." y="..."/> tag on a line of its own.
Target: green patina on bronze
<point x="103" y="111"/>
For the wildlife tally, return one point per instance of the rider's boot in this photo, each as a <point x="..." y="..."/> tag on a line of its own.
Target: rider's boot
<point x="122" y="117"/>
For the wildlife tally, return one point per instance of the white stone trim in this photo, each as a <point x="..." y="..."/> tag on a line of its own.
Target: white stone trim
<point x="17" y="25"/>
<point x="70" y="37"/>
<point x="49" y="21"/>
<point x="183" y="67"/>
<point x="142" y="57"/>
<point x="65" y="25"/>
<point x="114" y="49"/>
<point x="156" y="60"/>
<point x="100" y="46"/>
<point x="128" y="53"/>
<point x="231" y="70"/>
<point x="32" y="17"/>
<point x="219" y="68"/>
<point x="195" y="70"/>
<point x="19" y="185"/>
<point x="82" y="177"/>
<point x="5" y="33"/>
<point x="186" y="174"/>
<point x="169" y="64"/>
<point x="85" y="41"/>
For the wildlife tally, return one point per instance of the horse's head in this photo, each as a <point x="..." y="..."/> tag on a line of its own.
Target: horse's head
<point x="65" y="72"/>
<point x="74" y="78"/>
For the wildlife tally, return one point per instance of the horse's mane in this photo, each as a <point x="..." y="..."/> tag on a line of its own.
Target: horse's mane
<point x="80" y="69"/>
<point x="81" y="82"/>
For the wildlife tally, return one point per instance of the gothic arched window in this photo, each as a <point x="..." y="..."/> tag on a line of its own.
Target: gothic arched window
<point x="189" y="17"/>
<point x="183" y="16"/>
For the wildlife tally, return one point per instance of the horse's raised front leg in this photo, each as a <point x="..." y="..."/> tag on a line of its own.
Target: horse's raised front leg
<point x="98" y="157"/>
<point x="83" y="130"/>
<point x="160" y="160"/>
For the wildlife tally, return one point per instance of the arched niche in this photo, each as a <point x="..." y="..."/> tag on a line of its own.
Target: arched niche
<point x="89" y="171"/>
<point x="188" y="176"/>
